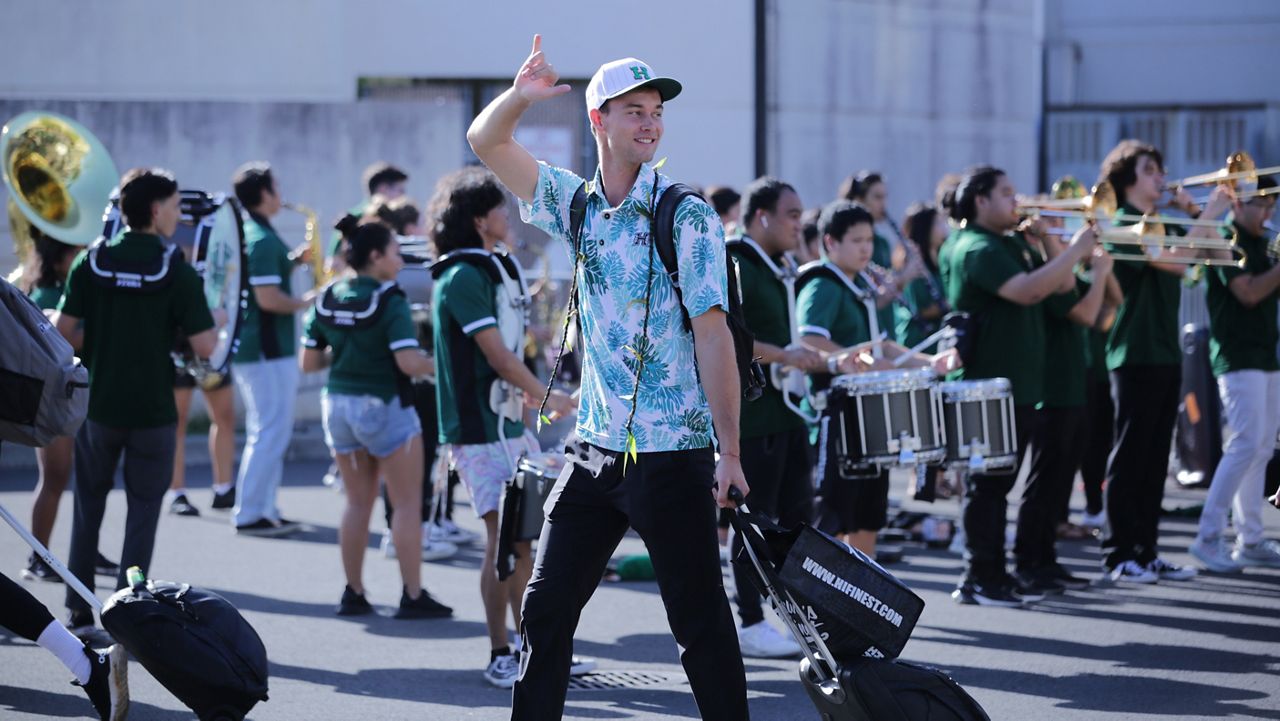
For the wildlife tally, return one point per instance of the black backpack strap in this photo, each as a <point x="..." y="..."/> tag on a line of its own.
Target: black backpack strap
<point x="483" y="261"/>
<point x="662" y="232"/>
<point x="577" y="213"/>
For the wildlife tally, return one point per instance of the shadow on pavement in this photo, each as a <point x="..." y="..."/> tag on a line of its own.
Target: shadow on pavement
<point x="376" y="623"/>
<point x="74" y="704"/>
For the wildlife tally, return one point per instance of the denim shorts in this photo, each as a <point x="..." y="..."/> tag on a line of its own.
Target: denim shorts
<point x="379" y="427"/>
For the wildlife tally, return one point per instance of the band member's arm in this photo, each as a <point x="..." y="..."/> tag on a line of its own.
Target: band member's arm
<point x="1251" y="289"/>
<point x="204" y="342"/>
<point x="1029" y="288"/>
<point x="492" y="133"/>
<point x="415" y="363"/>
<point x="274" y="300"/>
<point x="513" y="370"/>
<point x="71" y="328"/>
<point x="713" y="347"/>
<point x="806" y="359"/>
<point x="1088" y="309"/>
<point x="313" y="360"/>
<point x="1219" y="203"/>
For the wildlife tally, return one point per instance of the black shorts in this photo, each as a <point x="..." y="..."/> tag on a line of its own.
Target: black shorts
<point x="182" y="379"/>
<point x="847" y="505"/>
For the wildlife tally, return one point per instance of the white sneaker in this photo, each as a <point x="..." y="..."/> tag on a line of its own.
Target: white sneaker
<point x="760" y="640"/>
<point x="1133" y="572"/>
<point x="957" y="541"/>
<point x="333" y="479"/>
<point x="502" y="671"/>
<point x="1093" y="520"/>
<point x="581" y="665"/>
<point x="431" y="550"/>
<point x="1215" y="554"/>
<point x="1171" y="571"/>
<point x="449" y="532"/>
<point x="1264" y="553"/>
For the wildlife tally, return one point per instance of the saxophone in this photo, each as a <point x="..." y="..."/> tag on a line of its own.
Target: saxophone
<point x="311" y="237"/>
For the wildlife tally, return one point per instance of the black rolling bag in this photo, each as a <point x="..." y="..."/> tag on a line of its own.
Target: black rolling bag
<point x="846" y="688"/>
<point x="195" y="643"/>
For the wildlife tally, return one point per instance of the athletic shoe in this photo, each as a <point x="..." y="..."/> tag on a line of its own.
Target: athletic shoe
<point x="353" y="604"/>
<point x="108" y="685"/>
<point x="424" y="606"/>
<point x="1033" y="586"/>
<point x="224" y="501"/>
<point x="38" y="570"/>
<point x="1093" y="520"/>
<point x="502" y="671"/>
<point x="1214" y="554"/>
<point x="581" y="665"/>
<point x="1072" y="582"/>
<point x="80" y="623"/>
<point x="333" y="479"/>
<point x="1264" y="553"/>
<point x="1000" y="595"/>
<point x="103" y="567"/>
<point x="263" y="528"/>
<point x="286" y="526"/>
<point x="431" y="550"/>
<point x="180" y="506"/>
<point x="760" y="640"/>
<point x="448" y="532"/>
<point x="1133" y="572"/>
<point x="1171" y="571"/>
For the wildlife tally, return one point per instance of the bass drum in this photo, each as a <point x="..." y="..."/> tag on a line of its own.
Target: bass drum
<point x="211" y="236"/>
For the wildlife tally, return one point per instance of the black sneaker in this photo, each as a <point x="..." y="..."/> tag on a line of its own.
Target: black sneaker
<point x="180" y="506"/>
<point x="1033" y="586"/>
<point x="108" y="686"/>
<point x="286" y="526"/>
<point x="1059" y="573"/>
<point x="424" y="606"/>
<point x="80" y="623"/>
<point x="224" y="501"/>
<point x="103" y="567"/>
<point x="261" y="528"/>
<point x="353" y="604"/>
<point x="38" y="570"/>
<point x="1000" y="595"/>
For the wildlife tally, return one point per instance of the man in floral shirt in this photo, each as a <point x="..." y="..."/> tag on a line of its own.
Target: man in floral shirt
<point x="654" y="397"/>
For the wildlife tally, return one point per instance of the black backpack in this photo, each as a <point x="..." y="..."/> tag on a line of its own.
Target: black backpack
<point x="662" y="231"/>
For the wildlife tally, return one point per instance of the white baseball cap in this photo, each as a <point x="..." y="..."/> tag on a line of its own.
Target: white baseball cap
<point x="622" y="76"/>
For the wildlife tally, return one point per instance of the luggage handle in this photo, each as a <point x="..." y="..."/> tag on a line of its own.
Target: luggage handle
<point x="821" y="661"/>
<point x="45" y="555"/>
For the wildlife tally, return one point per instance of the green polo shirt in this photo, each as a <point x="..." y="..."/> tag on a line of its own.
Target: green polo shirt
<point x="764" y="306"/>
<point x="128" y="335"/>
<point x="887" y="317"/>
<point x="47" y="297"/>
<point x="463" y="304"/>
<point x="827" y="307"/>
<point x="364" y="361"/>
<point x="1146" y="327"/>
<point x="1009" y="339"/>
<point x="264" y="335"/>
<point x="1242" y="338"/>
<point x="919" y="294"/>
<point x="1066" y="350"/>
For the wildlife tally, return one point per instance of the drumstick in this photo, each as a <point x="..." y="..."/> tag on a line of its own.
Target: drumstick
<point x="937" y="336"/>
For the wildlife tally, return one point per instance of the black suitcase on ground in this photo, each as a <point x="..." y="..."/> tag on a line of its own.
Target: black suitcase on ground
<point x="195" y="643"/>
<point x="1199" y="430"/>
<point x="859" y="689"/>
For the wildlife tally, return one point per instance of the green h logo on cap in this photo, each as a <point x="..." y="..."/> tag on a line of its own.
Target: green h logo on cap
<point x="640" y="72"/>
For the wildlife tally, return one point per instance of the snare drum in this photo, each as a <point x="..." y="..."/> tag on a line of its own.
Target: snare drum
<point x="978" y="419"/>
<point x="889" y="417"/>
<point x="533" y="481"/>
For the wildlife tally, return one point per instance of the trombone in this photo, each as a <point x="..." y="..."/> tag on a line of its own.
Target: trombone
<point x="1240" y="169"/>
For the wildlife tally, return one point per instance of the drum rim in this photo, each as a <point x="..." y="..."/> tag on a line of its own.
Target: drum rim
<point x="886" y="381"/>
<point x="977" y="389"/>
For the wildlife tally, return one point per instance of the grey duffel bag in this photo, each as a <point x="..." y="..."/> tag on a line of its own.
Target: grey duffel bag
<point x="44" y="391"/>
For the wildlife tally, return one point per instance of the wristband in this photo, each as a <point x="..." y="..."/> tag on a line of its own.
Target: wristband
<point x="832" y="363"/>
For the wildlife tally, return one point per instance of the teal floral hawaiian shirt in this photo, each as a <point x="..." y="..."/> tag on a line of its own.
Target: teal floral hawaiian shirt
<point x="613" y="282"/>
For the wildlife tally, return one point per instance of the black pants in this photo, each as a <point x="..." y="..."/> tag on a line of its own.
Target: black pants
<point x="20" y="612"/>
<point x="778" y="471"/>
<point x="1056" y="440"/>
<point x="148" y="469"/>
<point x="847" y="505"/>
<point x="1146" y="399"/>
<point x="1099" y="437"/>
<point x="986" y="507"/>
<point x="666" y="497"/>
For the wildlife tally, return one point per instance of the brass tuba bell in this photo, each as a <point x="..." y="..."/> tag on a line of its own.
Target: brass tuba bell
<point x="59" y="178"/>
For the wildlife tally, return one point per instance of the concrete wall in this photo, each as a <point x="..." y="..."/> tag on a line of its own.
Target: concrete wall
<point x="913" y="88"/>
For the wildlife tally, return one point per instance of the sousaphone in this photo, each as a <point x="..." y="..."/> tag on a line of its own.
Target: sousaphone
<point x="59" y="178"/>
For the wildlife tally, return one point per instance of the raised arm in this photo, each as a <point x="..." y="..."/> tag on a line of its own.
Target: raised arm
<point x="492" y="133"/>
<point x="1031" y="288"/>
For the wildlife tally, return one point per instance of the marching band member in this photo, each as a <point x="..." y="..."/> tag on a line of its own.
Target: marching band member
<point x="775" y="441"/>
<point x="996" y="277"/>
<point x="867" y="188"/>
<point x="128" y="332"/>
<point x="368" y="427"/>
<point x="266" y="372"/>
<point x="926" y="301"/>
<point x="385" y="182"/>
<point x="1145" y="360"/>
<point x="1242" y="346"/>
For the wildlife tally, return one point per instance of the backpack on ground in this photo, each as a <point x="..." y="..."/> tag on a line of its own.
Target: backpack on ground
<point x="662" y="231"/>
<point x="195" y="643"/>
<point x="44" y="391"/>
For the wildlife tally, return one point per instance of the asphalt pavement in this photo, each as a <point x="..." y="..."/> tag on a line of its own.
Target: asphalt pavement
<point x="1205" y="648"/>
